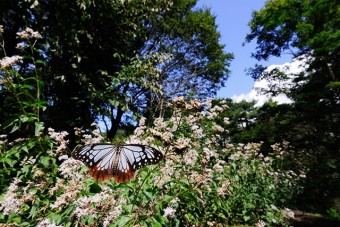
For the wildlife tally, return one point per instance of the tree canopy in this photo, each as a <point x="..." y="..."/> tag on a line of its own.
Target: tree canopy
<point x="103" y="60"/>
<point x="308" y="29"/>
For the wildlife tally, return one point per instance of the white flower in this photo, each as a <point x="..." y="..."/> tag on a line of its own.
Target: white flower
<point x="260" y="223"/>
<point x="190" y="157"/>
<point x="7" y="62"/>
<point x="208" y="153"/>
<point x="217" y="128"/>
<point x="226" y="120"/>
<point x="175" y="200"/>
<point x="113" y="215"/>
<point x="29" y="33"/>
<point x="68" y="169"/>
<point x="169" y="212"/>
<point x="218" y="167"/>
<point x="142" y="121"/>
<point x="11" y="203"/>
<point x="224" y="188"/>
<point x="47" y="223"/>
<point x="182" y="143"/>
<point x="287" y="213"/>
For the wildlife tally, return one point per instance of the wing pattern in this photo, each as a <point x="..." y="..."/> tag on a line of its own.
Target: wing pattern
<point x="119" y="161"/>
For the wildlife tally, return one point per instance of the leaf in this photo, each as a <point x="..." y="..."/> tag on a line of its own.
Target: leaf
<point x="246" y="218"/>
<point x="168" y="198"/>
<point x="95" y="188"/>
<point x="129" y="208"/>
<point x="15" y="128"/>
<point x="13" y="218"/>
<point x="39" y="62"/>
<point x="41" y="83"/>
<point x="122" y="221"/>
<point x="45" y="161"/>
<point x="33" y="212"/>
<point x="155" y="223"/>
<point x="9" y="161"/>
<point x="38" y="127"/>
<point x="148" y="195"/>
<point x="56" y="218"/>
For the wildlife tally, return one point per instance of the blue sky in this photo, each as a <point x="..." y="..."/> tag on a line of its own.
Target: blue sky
<point x="232" y="18"/>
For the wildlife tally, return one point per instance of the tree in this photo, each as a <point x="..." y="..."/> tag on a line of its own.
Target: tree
<point x="107" y="59"/>
<point x="309" y="29"/>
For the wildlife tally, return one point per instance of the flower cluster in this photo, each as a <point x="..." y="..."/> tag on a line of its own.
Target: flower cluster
<point x="19" y="193"/>
<point x="69" y="190"/>
<point x="169" y="212"/>
<point x="11" y="202"/>
<point x="94" y="137"/>
<point x="28" y="33"/>
<point x="194" y="153"/>
<point x="8" y="62"/>
<point x="201" y="173"/>
<point x="223" y="190"/>
<point x="59" y="138"/>
<point x="69" y="168"/>
<point x="70" y="185"/>
<point x="100" y="203"/>
<point x="47" y="223"/>
<point x="3" y="140"/>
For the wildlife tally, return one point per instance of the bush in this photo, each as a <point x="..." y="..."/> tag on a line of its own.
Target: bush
<point x="203" y="180"/>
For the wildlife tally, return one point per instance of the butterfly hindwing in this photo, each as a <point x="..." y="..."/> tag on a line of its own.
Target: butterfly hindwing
<point x="119" y="161"/>
<point x="99" y="158"/>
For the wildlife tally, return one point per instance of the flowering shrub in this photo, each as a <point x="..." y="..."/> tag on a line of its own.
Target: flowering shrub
<point x="204" y="180"/>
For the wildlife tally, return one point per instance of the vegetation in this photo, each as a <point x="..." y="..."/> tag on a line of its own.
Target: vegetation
<point x="310" y="31"/>
<point x="118" y="56"/>
<point x="158" y="64"/>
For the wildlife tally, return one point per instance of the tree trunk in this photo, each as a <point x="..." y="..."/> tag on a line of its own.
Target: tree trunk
<point x="115" y="123"/>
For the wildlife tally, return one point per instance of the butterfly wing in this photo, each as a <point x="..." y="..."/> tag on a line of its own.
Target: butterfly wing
<point x="121" y="161"/>
<point x="99" y="158"/>
<point x="133" y="157"/>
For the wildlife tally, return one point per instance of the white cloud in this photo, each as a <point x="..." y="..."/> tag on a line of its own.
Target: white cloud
<point x="295" y="67"/>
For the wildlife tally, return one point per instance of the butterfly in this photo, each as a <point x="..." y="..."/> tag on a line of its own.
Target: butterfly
<point x="119" y="161"/>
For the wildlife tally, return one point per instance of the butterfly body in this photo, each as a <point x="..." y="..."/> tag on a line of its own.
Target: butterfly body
<point x="119" y="161"/>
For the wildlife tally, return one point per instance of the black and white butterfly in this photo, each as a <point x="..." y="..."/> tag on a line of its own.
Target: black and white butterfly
<point x="119" y="161"/>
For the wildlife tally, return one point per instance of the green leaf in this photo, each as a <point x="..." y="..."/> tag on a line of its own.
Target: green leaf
<point x="155" y="223"/>
<point x="39" y="62"/>
<point x="38" y="127"/>
<point x="15" y="128"/>
<point x="9" y="161"/>
<point x="123" y="221"/>
<point x="168" y="198"/>
<point x="14" y="218"/>
<point x="45" y="161"/>
<point x="147" y="194"/>
<point x="56" y="218"/>
<point x="129" y="208"/>
<point x="95" y="188"/>
<point x="33" y="212"/>
<point x="246" y="218"/>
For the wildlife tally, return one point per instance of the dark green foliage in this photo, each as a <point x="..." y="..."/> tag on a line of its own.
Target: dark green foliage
<point x="307" y="28"/>
<point x="102" y="58"/>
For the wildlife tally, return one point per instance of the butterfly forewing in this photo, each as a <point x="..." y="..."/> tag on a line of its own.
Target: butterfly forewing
<point x="141" y="155"/>
<point x="121" y="161"/>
